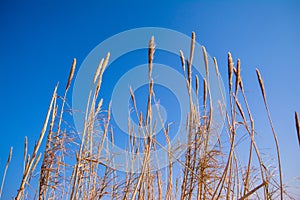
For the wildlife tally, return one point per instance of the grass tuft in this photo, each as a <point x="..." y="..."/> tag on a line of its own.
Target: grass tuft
<point x="74" y="168"/>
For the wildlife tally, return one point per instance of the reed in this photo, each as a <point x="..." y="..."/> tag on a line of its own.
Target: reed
<point x="262" y="87"/>
<point x="74" y="168"/>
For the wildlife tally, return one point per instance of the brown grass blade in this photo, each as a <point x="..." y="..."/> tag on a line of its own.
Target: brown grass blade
<point x="204" y="92"/>
<point x="237" y="76"/>
<point x="216" y="66"/>
<point x="182" y="59"/>
<point x="297" y="126"/>
<point x="205" y="60"/>
<point x="5" y="170"/>
<point x="151" y="49"/>
<point x="98" y="70"/>
<point x="197" y="85"/>
<point x="230" y="70"/>
<point x="192" y="49"/>
<point x="253" y="191"/>
<point x="132" y="97"/>
<point x="25" y="152"/>
<point x="71" y="74"/>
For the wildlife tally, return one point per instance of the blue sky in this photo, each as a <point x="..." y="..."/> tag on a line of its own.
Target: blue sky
<point x="38" y="41"/>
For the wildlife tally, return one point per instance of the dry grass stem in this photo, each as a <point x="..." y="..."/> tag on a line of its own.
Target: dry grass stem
<point x="262" y="87"/>
<point x="5" y="170"/>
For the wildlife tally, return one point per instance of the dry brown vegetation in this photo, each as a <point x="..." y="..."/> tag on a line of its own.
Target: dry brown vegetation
<point x="70" y="168"/>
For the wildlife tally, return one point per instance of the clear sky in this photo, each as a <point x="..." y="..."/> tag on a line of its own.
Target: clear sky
<point x="39" y="39"/>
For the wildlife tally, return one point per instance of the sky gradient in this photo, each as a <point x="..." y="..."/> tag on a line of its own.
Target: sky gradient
<point x="39" y="39"/>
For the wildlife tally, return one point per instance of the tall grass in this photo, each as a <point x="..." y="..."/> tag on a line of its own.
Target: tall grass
<point x="71" y="168"/>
